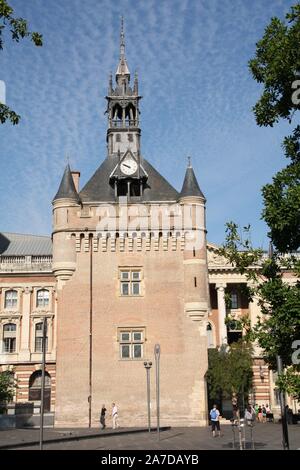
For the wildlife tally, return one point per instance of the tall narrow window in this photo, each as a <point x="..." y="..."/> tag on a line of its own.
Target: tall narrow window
<point x="131" y="344"/>
<point x="130" y="281"/>
<point x="11" y="299"/>
<point x="9" y="338"/>
<point x="42" y="298"/>
<point x="234" y="300"/>
<point x="38" y="343"/>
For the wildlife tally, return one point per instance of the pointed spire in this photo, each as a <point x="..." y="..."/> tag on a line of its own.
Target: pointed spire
<point x="122" y="40"/>
<point x="136" y="83"/>
<point x="190" y="185"/>
<point x="122" y="67"/>
<point x="67" y="188"/>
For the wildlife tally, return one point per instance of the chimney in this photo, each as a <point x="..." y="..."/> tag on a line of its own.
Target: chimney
<point x="76" y="176"/>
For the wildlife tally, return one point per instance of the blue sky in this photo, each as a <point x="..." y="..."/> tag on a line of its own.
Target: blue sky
<point x="191" y="57"/>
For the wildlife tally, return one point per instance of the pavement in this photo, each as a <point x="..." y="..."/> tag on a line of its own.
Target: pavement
<point x="266" y="436"/>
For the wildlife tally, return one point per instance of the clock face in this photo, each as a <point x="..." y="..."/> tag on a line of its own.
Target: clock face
<point x="128" y="167"/>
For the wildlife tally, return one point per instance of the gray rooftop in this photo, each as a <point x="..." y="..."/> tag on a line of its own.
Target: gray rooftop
<point x="15" y="244"/>
<point x="100" y="189"/>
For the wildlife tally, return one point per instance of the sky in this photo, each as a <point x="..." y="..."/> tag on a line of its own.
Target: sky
<point x="191" y="57"/>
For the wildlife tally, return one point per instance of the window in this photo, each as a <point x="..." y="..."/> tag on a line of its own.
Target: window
<point x="118" y="137"/>
<point x="9" y="338"/>
<point x="11" y="299"/>
<point x="131" y="344"/>
<point x="130" y="137"/>
<point x="130" y="282"/>
<point x="38" y="343"/>
<point x="42" y="298"/>
<point x="234" y="300"/>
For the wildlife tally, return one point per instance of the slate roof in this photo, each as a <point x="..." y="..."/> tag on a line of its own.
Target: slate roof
<point x="67" y="188"/>
<point x="190" y="185"/>
<point x="100" y="189"/>
<point x="16" y="244"/>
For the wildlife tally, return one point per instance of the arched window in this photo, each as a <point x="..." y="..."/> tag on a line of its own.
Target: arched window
<point x="9" y="338"/>
<point x="210" y="336"/>
<point x="42" y="298"/>
<point x="38" y="342"/>
<point x="11" y="299"/>
<point x="35" y="384"/>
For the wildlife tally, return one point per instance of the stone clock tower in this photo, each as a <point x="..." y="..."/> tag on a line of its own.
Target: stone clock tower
<point x="129" y="257"/>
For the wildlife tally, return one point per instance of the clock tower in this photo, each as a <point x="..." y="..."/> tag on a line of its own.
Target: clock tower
<point x="123" y="133"/>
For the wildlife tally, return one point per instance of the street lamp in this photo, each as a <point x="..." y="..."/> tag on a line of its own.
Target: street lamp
<point x="157" y="357"/>
<point x="44" y="347"/>
<point x="148" y="365"/>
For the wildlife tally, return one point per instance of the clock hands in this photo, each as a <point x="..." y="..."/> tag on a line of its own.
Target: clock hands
<point x="124" y="164"/>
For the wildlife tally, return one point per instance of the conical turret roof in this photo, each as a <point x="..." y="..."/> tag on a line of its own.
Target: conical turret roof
<point x="190" y="185"/>
<point x="67" y="188"/>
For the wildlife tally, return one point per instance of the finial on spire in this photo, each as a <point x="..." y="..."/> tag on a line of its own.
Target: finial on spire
<point x="189" y="162"/>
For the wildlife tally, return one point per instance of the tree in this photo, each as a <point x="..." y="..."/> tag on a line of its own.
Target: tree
<point x="229" y="370"/>
<point x="7" y="386"/>
<point x="276" y="65"/>
<point x="18" y="28"/>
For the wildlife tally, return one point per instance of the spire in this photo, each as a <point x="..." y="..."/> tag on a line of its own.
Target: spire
<point x="190" y="185"/>
<point x="67" y="189"/>
<point x="122" y="69"/>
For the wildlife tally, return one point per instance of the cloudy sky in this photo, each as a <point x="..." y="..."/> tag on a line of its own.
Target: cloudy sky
<point x="191" y="57"/>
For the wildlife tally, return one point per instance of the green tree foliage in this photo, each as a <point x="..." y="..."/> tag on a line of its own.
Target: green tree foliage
<point x="7" y="386"/>
<point x="18" y="28"/>
<point x="276" y="65"/>
<point x="229" y="370"/>
<point x="278" y="326"/>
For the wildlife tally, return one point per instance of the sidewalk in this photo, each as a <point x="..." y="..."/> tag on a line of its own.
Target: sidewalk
<point x="12" y="438"/>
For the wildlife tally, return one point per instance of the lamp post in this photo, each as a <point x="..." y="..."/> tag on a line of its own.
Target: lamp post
<point x="285" y="433"/>
<point x="43" y="383"/>
<point x="157" y="358"/>
<point x="148" y="365"/>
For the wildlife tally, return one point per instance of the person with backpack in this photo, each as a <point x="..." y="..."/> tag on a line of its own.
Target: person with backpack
<point x="214" y="419"/>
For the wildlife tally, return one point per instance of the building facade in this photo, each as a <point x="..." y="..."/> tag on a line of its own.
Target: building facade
<point x="128" y="267"/>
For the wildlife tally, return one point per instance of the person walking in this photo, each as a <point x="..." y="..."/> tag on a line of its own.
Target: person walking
<point x="102" y="417"/>
<point x="215" y="421"/>
<point x="114" y="414"/>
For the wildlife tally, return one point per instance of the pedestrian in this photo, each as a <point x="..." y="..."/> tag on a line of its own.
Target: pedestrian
<point x="102" y="417"/>
<point x="215" y="423"/>
<point x="114" y="414"/>
<point x="264" y="414"/>
<point x="249" y="415"/>
<point x="259" y="414"/>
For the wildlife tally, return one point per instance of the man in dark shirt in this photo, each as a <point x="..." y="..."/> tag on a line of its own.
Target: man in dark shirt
<point x="102" y="416"/>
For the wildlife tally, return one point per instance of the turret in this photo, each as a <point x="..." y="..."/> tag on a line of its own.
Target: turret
<point x="195" y="256"/>
<point x="64" y="202"/>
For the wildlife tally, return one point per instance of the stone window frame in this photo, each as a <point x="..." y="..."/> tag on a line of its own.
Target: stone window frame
<point x="14" y="318"/>
<point x="9" y="335"/>
<point x="44" y="307"/>
<point x="38" y="318"/>
<point x="48" y="308"/>
<point x="131" y="342"/>
<point x="38" y="334"/>
<point x="4" y="290"/>
<point x="131" y="281"/>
